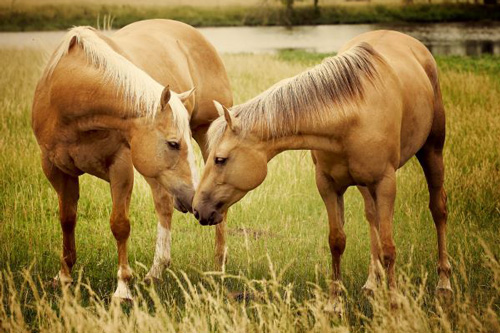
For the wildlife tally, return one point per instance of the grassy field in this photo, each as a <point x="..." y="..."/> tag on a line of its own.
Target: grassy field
<point x="277" y="243"/>
<point x="57" y="15"/>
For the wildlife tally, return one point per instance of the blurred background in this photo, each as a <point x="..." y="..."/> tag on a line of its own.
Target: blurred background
<point x="462" y="27"/>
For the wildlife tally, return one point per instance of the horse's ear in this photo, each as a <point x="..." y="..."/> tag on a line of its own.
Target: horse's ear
<point x="72" y="42"/>
<point x="223" y="111"/>
<point x="165" y="97"/>
<point x="185" y="95"/>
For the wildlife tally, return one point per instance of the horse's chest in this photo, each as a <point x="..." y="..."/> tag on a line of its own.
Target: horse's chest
<point x="91" y="152"/>
<point x="335" y="166"/>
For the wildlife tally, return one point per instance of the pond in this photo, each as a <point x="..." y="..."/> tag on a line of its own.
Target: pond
<point x="440" y="38"/>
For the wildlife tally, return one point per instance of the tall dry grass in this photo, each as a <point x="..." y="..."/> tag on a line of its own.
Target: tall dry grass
<point x="267" y="305"/>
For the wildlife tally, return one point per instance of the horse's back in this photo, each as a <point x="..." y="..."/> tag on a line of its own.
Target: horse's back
<point x="165" y="45"/>
<point x="416" y="72"/>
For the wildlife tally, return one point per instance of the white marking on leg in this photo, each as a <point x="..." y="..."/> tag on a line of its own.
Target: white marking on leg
<point x="162" y="252"/>
<point x="374" y="274"/>
<point x="122" y="290"/>
<point x="63" y="278"/>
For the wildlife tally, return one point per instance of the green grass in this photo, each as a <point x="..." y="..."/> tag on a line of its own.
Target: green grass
<point x="63" y="16"/>
<point x="283" y="222"/>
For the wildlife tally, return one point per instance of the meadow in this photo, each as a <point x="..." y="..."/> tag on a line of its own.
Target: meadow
<point x="278" y="254"/>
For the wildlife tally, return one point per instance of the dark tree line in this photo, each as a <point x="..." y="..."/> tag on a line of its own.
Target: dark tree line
<point x="289" y="4"/>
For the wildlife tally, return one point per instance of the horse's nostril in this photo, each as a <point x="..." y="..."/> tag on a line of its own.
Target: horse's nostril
<point x="211" y="219"/>
<point x="196" y="214"/>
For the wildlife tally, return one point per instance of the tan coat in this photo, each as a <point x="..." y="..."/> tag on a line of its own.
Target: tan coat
<point x="85" y="123"/>
<point x="364" y="114"/>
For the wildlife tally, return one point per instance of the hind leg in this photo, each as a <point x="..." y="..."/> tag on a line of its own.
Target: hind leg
<point x="431" y="160"/>
<point x="333" y="197"/>
<point x="67" y="189"/>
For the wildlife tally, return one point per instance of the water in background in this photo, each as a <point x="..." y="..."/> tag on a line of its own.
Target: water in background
<point x="440" y="38"/>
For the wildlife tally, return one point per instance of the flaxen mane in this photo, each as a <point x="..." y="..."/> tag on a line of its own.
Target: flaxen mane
<point x="307" y="97"/>
<point x="139" y="89"/>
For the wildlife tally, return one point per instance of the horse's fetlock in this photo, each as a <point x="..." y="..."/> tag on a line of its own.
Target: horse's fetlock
<point x="388" y="255"/>
<point x="125" y="273"/>
<point x="444" y="269"/>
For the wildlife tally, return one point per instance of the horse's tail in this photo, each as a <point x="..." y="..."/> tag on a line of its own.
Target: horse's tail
<point x="438" y="130"/>
<point x="429" y="65"/>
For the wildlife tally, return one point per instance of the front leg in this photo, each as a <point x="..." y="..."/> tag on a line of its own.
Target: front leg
<point x="375" y="269"/>
<point x="220" y="243"/>
<point x="68" y="192"/>
<point x="121" y="179"/>
<point x="333" y="198"/>
<point x="384" y="194"/>
<point x="164" y="209"/>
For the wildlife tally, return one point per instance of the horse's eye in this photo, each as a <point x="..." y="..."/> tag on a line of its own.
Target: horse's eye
<point x="220" y="160"/>
<point x="173" y="145"/>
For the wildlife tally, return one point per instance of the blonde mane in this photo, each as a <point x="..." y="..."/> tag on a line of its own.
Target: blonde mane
<point x="306" y="98"/>
<point x="139" y="89"/>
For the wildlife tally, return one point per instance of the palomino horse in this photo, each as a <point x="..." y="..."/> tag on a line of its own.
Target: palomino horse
<point x="101" y="108"/>
<point x="364" y="114"/>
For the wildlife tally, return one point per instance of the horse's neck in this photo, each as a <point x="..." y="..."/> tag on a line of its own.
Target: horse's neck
<point x="320" y="135"/>
<point x="296" y="142"/>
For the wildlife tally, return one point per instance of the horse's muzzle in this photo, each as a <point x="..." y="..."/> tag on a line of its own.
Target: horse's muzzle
<point x="212" y="217"/>
<point x="184" y="203"/>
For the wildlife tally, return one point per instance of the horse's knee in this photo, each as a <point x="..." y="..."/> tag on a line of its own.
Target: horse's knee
<point x="68" y="223"/>
<point x="337" y="243"/>
<point x="388" y="254"/>
<point x="120" y="227"/>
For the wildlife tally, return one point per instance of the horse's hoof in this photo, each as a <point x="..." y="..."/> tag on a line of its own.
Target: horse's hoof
<point x="241" y="297"/>
<point x="444" y="295"/>
<point x="126" y="300"/>
<point x="123" y="292"/>
<point x="53" y="283"/>
<point x="395" y="303"/>
<point x="335" y="308"/>
<point x="368" y="291"/>
<point x="56" y="282"/>
<point x="151" y="280"/>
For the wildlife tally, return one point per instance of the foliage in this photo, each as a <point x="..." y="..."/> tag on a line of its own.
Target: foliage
<point x="64" y="16"/>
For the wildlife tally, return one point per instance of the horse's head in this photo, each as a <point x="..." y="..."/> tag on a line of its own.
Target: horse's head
<point x="161" y="148"/>
<point x="234" y="167"/>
